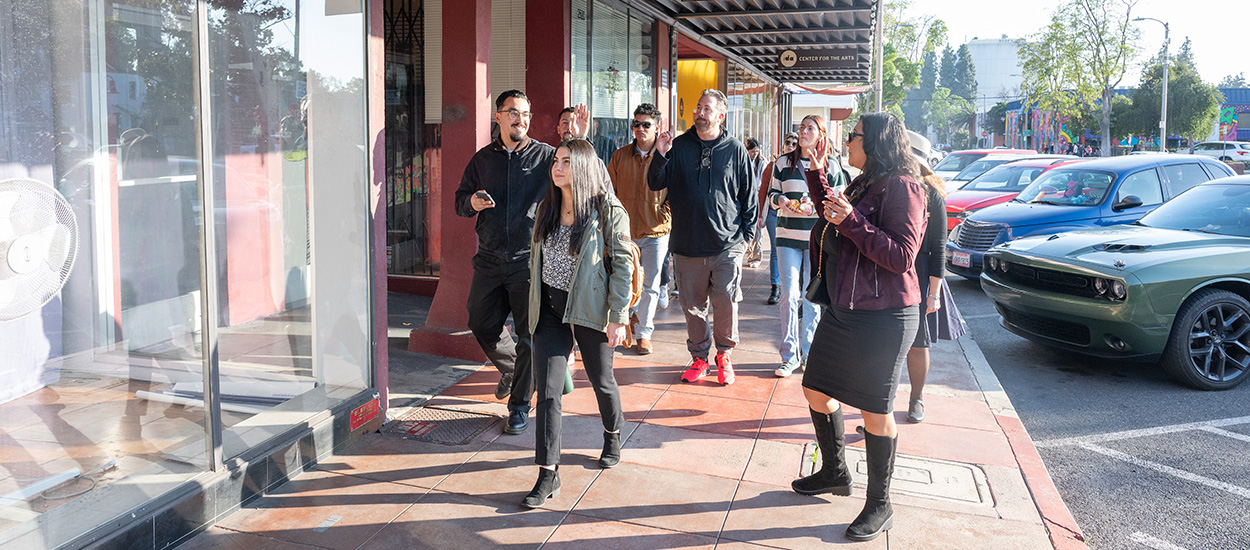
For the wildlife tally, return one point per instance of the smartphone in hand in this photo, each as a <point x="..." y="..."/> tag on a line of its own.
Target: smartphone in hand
<point x="484" y="196"/>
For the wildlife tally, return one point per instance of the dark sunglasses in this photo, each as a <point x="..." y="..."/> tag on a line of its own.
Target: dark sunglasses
<point x="851" y="136"/>
<point x="707" y="157"/>
<point x="640" y="124"/>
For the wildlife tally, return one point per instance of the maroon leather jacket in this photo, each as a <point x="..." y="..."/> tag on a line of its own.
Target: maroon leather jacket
<point x="879" y="243"/>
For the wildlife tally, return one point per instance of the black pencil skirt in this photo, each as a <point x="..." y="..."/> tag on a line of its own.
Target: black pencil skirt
<point x="858" y="355"/>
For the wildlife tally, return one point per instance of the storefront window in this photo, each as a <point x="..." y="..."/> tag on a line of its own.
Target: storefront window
<point x="103" y="332"/>
<point x="410" y="144"/>
<point x="291" y="238"/>
<point x="613" y="69"/>
<point x="96" y="110"/>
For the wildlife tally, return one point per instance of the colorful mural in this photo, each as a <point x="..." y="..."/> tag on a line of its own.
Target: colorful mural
<point x="1228" y="126"/>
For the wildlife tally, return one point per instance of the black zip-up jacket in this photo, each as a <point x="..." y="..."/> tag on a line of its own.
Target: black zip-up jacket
<point x="517" y="181"/>
<point x="714" y="208"/>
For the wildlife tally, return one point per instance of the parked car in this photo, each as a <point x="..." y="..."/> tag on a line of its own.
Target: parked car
<point x="1093" y="193"/>
<point x="984" y="164"/>
<point x="1224" y="150"/>
<point x="957" y="161"/>
<point x="1173" y="287"/>
<point x="996" y="186"/>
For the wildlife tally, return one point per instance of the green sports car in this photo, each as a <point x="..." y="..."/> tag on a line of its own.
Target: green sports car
<point x="1173" y="287"/>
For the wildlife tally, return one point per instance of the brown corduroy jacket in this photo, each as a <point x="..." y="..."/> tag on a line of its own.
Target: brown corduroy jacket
<point x="649" y="214"/>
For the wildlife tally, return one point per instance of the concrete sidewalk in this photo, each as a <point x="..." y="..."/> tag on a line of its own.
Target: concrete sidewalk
<point x="703" y="465"/>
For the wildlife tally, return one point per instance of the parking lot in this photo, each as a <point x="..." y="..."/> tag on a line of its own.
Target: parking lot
<point x="1141" y="461"/>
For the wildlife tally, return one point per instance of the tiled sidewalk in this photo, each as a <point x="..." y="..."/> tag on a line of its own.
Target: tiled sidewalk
<point x="703" y="466"/>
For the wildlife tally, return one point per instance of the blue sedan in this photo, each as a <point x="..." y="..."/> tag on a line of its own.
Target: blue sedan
<point x="1095" y="193"/>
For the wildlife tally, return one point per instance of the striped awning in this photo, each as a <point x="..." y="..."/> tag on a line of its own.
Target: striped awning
<point x="761" y="31"/>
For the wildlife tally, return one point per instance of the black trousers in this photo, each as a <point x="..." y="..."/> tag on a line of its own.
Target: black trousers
<point x="499" y="289"/>
<point x="553" y="341"/>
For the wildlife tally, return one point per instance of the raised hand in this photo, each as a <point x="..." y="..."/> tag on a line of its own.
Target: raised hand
<point x="664" y="137"/>
<point x="818" y="154"/>
<point x="581" y="120"/>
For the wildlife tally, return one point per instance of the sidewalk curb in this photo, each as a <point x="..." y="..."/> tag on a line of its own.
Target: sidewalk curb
<point x="1065" y="534"/>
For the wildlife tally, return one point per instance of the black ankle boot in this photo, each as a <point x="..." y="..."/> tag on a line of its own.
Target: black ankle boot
<point x="611" y="455"/>
<point x="877" y="516"/>
<point x="834" y="477"/>
<point x="548" y="486"/>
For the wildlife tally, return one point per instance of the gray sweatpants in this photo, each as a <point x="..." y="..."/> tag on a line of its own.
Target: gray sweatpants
<point x="718" y="280"/>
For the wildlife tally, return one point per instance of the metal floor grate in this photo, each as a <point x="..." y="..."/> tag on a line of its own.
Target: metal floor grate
<point x="443" y="425"/>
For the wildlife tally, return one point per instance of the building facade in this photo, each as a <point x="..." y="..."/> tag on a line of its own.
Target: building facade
<point x="203" y="205"/>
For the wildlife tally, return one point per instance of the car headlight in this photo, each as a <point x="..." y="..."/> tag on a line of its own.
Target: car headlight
<point x="1110" y="289"/>
<point x="991" y="263"/>
<point x="1117" y="290"/>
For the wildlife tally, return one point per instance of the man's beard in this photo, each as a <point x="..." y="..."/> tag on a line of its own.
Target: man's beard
<point x="566" y="135"/>
<point x="702" y="124"/>
<point x="517" y="134"/>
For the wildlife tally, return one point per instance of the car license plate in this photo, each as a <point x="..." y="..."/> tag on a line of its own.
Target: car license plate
<point x="961" y="259"/>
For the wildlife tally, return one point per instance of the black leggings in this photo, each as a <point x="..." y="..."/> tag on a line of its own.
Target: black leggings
<point x="553" y="341"/>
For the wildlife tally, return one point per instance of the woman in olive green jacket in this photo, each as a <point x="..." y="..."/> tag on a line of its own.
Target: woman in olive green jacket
<point x="580" y="271"/>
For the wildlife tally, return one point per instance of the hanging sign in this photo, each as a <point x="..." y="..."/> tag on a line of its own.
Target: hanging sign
<point x="824" y="58"/>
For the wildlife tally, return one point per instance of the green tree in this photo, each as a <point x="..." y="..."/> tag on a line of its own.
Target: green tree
<point x="946" y="75"/>
<point x="947" y="113"/>
<point x="1231" y="81"/>
<point x="1050" y="73"/>
<point x="1192" y="104"/>
<point x="1103" y="44"/>
<point x="996" y="118"/>
<point x="916" y="109"/>
<point x="965" y="75"/>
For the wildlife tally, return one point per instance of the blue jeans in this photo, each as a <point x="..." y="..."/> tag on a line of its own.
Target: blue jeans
<point x="770" y="222"/>
<point x="652" y="250"/>
<point x="797" y="335"/>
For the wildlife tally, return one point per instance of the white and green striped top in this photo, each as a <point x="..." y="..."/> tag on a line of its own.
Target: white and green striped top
<point x="789" y="184"/>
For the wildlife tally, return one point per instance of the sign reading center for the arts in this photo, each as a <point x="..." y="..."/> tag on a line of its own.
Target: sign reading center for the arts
<point x="825" y="58"/>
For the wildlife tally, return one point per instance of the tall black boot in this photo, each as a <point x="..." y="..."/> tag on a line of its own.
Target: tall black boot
<point x="834" y="477"/>
<point x="877" y="516"/>
<point x="548" y="486"/>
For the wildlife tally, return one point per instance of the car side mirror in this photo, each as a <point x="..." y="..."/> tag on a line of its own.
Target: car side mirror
<point x="1130" y="201"/>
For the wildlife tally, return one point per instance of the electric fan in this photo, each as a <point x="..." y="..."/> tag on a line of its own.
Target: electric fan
<point x="38" y="243"/>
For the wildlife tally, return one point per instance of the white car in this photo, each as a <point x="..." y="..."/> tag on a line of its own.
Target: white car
<point x="1224" y="150"/>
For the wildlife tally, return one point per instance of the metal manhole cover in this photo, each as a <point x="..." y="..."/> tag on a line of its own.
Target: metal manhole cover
<point x="919" y="476"/>
<point x="443" y="425"/>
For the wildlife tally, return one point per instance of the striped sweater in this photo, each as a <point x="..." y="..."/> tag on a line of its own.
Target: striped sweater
<point x="789" y="184"/>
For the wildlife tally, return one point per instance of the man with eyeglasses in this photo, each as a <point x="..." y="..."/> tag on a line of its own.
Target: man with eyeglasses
<point x="501" y="186"/>
<point x="708" y="177"/>
<point x="650" y="219"/>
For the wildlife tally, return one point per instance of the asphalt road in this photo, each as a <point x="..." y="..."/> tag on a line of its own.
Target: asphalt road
<point x="1141" y="461"/>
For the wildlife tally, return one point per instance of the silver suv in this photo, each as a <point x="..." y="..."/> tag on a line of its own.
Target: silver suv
<point x="1224" y="150"/>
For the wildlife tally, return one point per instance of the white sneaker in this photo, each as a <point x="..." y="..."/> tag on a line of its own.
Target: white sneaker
<point x="663" y="303"/>
<point x="786" y="369"/>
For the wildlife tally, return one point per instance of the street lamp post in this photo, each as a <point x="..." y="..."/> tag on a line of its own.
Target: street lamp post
<point x="1163" y="116"/>
<point x="879" y="46"/>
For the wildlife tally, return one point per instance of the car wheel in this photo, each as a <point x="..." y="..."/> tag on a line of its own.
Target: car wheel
<point x="1209" y="347"/>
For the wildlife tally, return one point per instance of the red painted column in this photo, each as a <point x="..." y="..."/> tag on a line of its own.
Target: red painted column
<point x="377" y="190"/>
<point x="548" y="64"/>
<point x="663" y="64"/>
<point x="467" y="108"/>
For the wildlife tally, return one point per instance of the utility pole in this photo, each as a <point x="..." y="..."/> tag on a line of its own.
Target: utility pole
<point x="879" y="46"/>
<point x="1163" y="115"/>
